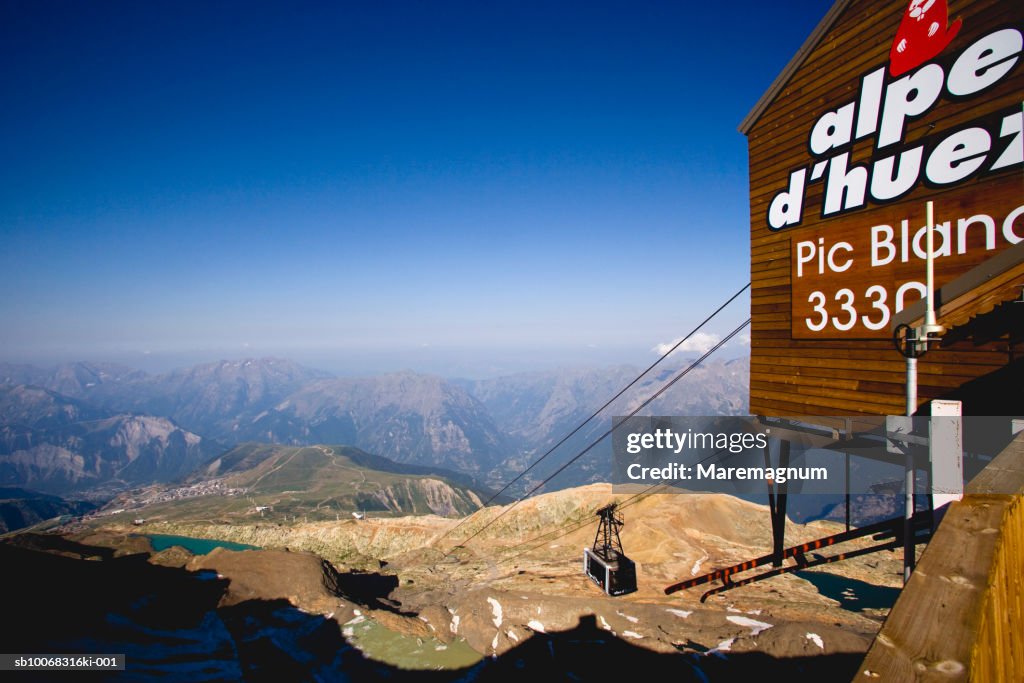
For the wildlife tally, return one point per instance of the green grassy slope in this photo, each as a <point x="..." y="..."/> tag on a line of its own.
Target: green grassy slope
<point x="312" y="483"/>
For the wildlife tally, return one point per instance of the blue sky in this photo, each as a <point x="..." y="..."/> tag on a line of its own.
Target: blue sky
<point x="381" y="184"/>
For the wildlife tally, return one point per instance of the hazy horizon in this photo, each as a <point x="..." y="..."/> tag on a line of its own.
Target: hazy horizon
<point x="452" y="363"/>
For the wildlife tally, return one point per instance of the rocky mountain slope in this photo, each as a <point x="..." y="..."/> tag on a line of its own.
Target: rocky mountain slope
<point x="539" y="409"/>
<point x="59" y="445"/>
<point x="20" y="508"/>
<point x="406" y="417"/>
<point x="71" y="379"/>
<point x="212" y="399"/>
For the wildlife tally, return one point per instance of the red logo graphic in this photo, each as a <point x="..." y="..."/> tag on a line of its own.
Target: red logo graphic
<point x="922" y="35"/>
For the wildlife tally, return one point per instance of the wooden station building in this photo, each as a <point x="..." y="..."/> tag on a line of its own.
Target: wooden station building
<point x="890" y="104"/>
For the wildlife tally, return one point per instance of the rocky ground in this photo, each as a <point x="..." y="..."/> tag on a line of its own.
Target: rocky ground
<point x="521" y="578"/>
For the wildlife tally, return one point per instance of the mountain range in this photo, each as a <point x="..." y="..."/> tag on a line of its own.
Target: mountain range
<point x="84" y="425"/>
<point x="55" y="444"/>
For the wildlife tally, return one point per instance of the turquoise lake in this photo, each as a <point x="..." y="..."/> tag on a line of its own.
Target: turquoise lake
<point x="196" y="546"/>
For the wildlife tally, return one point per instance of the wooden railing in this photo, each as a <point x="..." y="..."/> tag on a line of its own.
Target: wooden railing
<point x="961" y="615"/>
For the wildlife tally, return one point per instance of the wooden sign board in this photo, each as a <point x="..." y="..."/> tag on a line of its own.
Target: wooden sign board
<point x="890" y="104"/>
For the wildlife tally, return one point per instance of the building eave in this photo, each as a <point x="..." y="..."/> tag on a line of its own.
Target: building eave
<point x="823" y="27"/>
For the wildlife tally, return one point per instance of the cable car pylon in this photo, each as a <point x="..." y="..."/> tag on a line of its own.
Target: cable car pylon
<point x="606" y="563"/>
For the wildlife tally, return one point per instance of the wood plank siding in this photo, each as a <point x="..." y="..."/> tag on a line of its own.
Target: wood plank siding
<point x="796" y="370"/>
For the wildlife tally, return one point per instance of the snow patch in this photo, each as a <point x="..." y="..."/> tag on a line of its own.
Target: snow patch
<point x="536" y="626"/>
<point x="632" y="634"/>
<point x="632" y="620"/>
<point x="816" y="639"/>
<point x="512" y="636"/>
<point x="754" y="625"/>
<point x="684" y="613"/>
<point x="723" y="646"/>
<point x="355" y="620"/>
<point x="496" y="612"/>
<point x="697" y="565"/>
<point x="454" y="626"/>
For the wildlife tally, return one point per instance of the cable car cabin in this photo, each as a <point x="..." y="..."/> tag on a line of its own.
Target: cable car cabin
<point x="615" y="575"/>
<point x="606" y="564"/>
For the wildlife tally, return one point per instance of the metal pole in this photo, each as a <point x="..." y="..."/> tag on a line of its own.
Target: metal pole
<point x="911" y="386"/>
<point x="929" y="315"/>
<point x="909" y="552"/>
<point x="847" y="490"/>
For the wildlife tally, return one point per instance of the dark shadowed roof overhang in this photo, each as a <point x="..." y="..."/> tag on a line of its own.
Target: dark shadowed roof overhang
<point x="983" y="304"/>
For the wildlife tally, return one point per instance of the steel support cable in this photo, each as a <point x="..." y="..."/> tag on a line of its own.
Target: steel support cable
<point x="579" y="524"/>
<point x="586" y="450"/>
<point x="587" y="521"/>
<point x="597" y="412"/>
